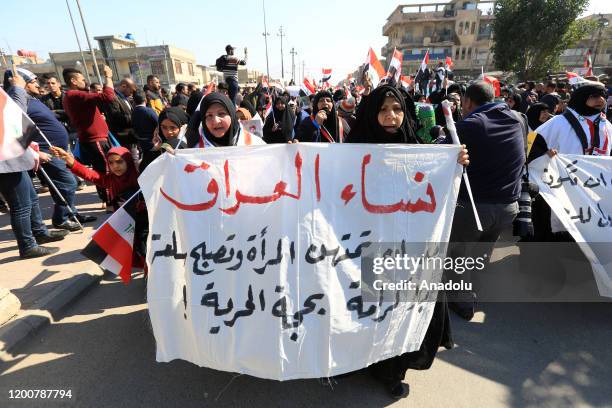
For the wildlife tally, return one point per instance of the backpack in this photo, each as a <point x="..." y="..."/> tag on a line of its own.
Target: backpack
<point x="220" y="63"/>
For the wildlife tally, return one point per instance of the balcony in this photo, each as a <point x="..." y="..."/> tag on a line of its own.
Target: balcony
<point x="427" y="16"/>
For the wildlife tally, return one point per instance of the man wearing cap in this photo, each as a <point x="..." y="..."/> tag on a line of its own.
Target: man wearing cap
<point x="55" y="132"/>
<point x="83" y="111"/>
<point x="228" y="64"/>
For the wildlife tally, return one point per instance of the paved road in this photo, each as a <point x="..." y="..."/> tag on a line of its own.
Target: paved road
<point x="513" y="355"/>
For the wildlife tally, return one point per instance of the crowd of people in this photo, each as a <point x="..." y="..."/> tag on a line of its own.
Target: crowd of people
<point x="108" y="133"/>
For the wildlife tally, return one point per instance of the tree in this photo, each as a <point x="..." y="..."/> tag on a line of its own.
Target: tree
<point x="530" y="35"/>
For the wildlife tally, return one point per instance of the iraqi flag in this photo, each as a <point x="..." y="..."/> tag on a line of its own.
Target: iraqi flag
<point x="588" y="63"/>
<point x="448" y="62"/>
<point x="112" y="245"/>
<point x="268" y="109"/>
<point x="494" y="82"/>
<point x="16" y="133"/>
<point x="395" y="66"/>
<point x="573" y="78"/>
<point x="405" y="81"/>
<point x="264" y="82"/>
<point x="308" y="87"/>
<point x="327" y="73"/>
<point x="425" y="61"/>
<point x="373" y="68"/>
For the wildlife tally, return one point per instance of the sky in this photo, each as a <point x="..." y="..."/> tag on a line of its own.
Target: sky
<point x="325" y="33"/>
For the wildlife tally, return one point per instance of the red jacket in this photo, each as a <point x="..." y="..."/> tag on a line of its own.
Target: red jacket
<point x="82" y="109"/>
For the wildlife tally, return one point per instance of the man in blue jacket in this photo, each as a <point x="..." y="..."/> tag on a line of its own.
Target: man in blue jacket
<point x="494" y="136"/>
<point x="56" y="133"/>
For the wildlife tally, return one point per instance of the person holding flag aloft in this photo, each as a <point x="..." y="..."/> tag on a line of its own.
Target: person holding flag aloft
<point x="440" y="74"/>
<point x="278" y="127"/>
<point x="424" y="75"/>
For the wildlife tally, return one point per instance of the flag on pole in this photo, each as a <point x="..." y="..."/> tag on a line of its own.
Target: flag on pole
<point x="268" y="109"/>
<point x="395" y="66"/>
<point x="373" y="68"/>
<point x="211" y="87"/>
<point x="588" y="63"/>
<point x="327" y="73"/>
<point x="573" y="78"/>
<point x="405" y="81"/>
<point x="308" y="87"/>
<point x="112" y="244"/>
<point x="425" y="61"/>
<point x="448" y="63"/>
<point x="494" y="82"/>
<point x="16" y="133"/>
<point x="264" y="82"/>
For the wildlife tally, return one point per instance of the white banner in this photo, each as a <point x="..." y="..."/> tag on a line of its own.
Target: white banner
<point x="578" y="190"/>
<point x="254" y="253"/>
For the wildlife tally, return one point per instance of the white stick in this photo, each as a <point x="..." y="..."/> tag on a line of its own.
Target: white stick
<point x="74" y="216"/>
<point x="450" y="125"/>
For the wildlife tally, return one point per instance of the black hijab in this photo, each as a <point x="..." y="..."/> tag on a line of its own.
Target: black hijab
<point x="177" y="116"/>
<point x="284" y="119"/>
<point x="368" y="130"/>
<point x="518" y="102"/>
<point x="230" y="138"/>
<point x="579" y="98"/>
<point x="331" y="123"/>
<point x="533" y="114"/>
<point x="193" y="102"/>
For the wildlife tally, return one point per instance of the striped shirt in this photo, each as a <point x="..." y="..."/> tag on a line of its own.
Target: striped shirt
<point x="230" y="66"/>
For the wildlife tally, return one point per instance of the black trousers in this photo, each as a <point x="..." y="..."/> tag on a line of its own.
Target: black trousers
<point x="96" y="154"/>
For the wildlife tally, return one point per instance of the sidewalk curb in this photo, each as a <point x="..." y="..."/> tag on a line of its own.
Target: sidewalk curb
<point x="29" y="321"/>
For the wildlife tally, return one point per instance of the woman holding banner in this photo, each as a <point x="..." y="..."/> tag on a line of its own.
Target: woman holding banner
<point x="384" y="119"/>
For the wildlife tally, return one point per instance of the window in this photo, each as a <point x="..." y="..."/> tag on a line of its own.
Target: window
<point x="473" y="27"/>
<point x="466" y="28"/>
<point x="134" y="68"/>
<point x="178" y="67"/>
<point x="469" y="53"/>
<point x="462" y="53"/>
<point x="157" y="67"/>
<point x="190" y="69"/>
<point x="456" y="53"/>
<point x="460" y="31"/>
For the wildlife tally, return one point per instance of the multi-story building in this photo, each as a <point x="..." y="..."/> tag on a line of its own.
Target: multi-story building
<point x="170" y="64"/>
<point x="599" y="42"/>
<point x="461" y="29"/>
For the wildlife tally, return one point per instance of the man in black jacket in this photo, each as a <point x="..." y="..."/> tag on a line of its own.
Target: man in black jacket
<point x="493" y="135"/>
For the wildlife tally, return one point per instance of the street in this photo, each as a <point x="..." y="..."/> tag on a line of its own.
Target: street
<point x="517" y="355"/>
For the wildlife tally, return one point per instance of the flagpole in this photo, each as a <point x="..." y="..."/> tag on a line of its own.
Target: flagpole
<point x="60" y="196"/>
<point x="46" y="175"/>
<point x="78" y="42"/>
<point x="450" y="125"/>
<point x="93" y="54"/>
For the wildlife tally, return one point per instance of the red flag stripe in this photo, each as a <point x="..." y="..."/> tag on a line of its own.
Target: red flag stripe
<point x="116" y="247"/>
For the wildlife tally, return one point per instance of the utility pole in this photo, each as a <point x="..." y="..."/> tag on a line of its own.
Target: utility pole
<point x="281" y="35"/>
<point x="93" y="54"/>
<point x="266" y="34"/>
<point x="78" y="43"/>
<point x="293" y="54"/>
